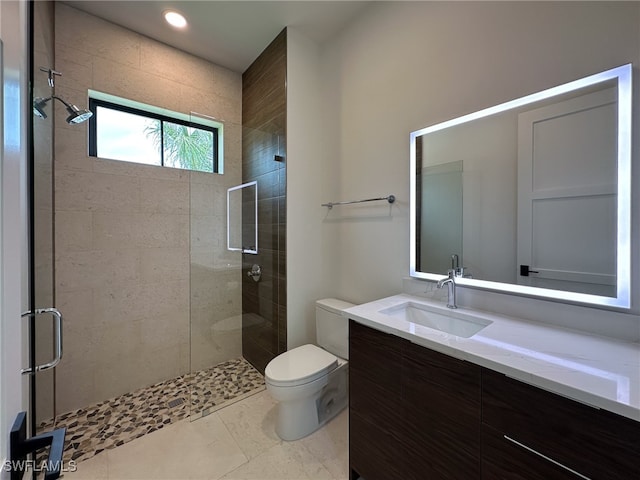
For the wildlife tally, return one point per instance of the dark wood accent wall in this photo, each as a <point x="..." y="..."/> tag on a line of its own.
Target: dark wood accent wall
<point x="264" y="303"/>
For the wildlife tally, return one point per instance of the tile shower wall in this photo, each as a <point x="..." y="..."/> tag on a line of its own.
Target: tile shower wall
<point x="137" y="246"/>
<point x="264" y="324"/>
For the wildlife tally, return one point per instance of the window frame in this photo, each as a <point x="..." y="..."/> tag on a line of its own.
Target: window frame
<point x="94" y="103"/>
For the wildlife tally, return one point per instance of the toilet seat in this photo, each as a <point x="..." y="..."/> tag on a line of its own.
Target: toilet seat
<point x="300" y="365"/>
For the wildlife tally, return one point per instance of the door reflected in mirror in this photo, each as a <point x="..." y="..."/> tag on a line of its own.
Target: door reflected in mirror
<point x="531" y="196"/>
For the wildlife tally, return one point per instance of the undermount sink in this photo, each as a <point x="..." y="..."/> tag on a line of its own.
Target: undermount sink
<point x="454" y="323"/>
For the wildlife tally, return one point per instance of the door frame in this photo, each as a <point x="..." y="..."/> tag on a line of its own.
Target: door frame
<point x="13" y="207"/>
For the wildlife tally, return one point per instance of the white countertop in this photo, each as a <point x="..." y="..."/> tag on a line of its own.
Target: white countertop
<point x="598" y="371"/>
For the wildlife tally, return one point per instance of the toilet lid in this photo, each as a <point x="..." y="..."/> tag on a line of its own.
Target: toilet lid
<point x="301" y="365"/>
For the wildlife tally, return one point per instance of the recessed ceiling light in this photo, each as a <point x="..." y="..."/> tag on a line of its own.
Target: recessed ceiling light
<point x="175" y="19"/>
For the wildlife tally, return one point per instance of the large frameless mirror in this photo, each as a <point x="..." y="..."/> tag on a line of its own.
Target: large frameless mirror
<point x="531" y="196"/>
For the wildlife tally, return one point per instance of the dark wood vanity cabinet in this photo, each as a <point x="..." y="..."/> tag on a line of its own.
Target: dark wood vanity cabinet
<point x="419" y="414"/>
<point x="523" y="424"/>
<point x="375" y="418"/>
<point x="441" y="406"/>
<point x="413" y="412"/>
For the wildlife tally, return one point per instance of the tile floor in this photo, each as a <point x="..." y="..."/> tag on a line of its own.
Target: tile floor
<point x="237" y="442"/>
<point x="114" y="422"/>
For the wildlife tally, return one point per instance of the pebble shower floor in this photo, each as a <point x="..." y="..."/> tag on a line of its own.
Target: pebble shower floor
<point x="119" y="420"/>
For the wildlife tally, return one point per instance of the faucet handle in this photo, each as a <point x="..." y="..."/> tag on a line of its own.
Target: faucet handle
<point x="451" y="273"/>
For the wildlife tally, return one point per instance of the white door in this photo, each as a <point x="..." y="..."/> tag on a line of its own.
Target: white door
<point x="567" y="195"/>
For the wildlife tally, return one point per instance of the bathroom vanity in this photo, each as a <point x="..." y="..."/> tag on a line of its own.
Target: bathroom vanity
<point x="514" y="400"/>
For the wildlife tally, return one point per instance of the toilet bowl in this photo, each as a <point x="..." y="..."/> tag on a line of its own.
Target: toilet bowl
<point x="310" y="382"/>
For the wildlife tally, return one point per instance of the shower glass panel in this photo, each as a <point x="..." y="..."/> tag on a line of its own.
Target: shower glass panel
<point x="215" y="294"/>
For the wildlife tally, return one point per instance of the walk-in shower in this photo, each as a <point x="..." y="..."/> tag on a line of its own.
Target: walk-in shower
<point x="160" y="323"/>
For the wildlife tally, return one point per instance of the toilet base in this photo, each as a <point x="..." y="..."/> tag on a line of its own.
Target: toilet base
<point x="301" y="417"/>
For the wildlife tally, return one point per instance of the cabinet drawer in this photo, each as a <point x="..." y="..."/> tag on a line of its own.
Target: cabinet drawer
<point x="596" y="443"/>
<point x="505" y="460"/>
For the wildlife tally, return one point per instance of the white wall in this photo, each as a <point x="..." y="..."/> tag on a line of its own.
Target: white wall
<point x="13" y="32"/>
<point x="312" y="179"/>
<point x="403" y="66"/>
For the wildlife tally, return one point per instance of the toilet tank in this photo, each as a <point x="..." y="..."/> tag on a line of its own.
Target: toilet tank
<point x="332" y="329"/>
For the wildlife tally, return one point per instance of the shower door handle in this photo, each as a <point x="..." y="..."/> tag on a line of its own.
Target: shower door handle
<point x="57" y="338"/>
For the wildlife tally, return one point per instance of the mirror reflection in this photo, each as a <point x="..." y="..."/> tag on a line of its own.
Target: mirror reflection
<point x="531" y="196"/>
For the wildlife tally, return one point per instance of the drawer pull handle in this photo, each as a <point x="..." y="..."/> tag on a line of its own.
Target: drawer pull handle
<point x="545" y="457"/>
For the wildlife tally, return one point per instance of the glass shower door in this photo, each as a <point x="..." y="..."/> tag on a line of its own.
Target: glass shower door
<point x="41" y="261"/>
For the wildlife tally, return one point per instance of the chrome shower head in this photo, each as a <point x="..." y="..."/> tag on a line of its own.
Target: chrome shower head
<point x="38" y="106"/>
<point x="76" y="115"/>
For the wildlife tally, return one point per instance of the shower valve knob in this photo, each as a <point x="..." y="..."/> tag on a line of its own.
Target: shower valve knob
<point x="255" y="272"/>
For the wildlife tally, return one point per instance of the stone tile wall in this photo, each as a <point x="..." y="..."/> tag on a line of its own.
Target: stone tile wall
<point x="140" y="249"/>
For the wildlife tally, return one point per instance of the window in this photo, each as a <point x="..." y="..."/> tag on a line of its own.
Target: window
<point x="131" y="134"/>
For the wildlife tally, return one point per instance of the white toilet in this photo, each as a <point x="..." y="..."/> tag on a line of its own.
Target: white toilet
<point x="309" y="382"/>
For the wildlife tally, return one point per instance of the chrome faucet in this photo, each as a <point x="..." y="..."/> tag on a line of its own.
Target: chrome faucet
<point x="451" y="288"/>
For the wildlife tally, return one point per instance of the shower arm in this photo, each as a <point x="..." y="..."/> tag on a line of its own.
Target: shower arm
<point x="64" y="102"/>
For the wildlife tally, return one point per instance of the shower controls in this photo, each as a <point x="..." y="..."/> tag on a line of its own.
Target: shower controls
<point x="255" y="272"/>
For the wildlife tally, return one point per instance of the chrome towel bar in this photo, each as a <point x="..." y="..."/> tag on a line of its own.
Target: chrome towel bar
<point x="390" y="199"/>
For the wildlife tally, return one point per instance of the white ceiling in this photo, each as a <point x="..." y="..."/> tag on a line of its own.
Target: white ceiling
<point x="229" y="33"/>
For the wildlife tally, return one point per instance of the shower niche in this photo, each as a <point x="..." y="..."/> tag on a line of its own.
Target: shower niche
<point x="242" y="218"/>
